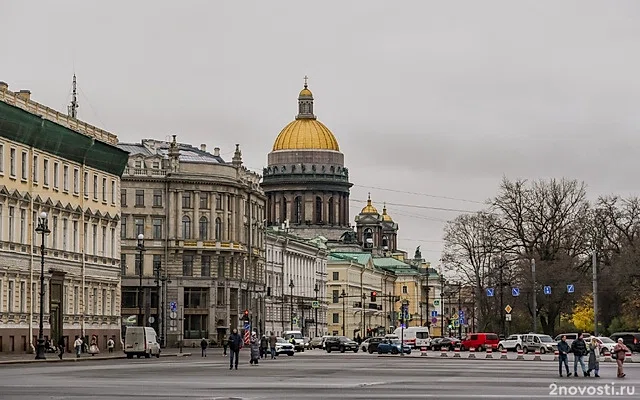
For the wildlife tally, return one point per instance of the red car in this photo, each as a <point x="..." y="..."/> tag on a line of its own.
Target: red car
<point x="480" y="341"/>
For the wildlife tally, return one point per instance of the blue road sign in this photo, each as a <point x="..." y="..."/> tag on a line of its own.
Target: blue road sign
<point x="461" y="313"/>
<point x="247" y="326"/>
<point x="174" y="306"/>
<point x="515" y="291"/>
<point x="570" y="289"/>
<point x="547" y="290"/>
<point x="489" y="292"/>
<point x="461" y="320"/>
<point x="434" y="313"/>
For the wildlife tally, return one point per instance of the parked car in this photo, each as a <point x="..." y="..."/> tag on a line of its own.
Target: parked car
<point x="324" y="339"/>
<point x="316" y="343"/>
<point x="371" y="345"/>
<point x="393" y="346"/>
<point x="543" y="343"/>
<point x="438" y="344"/>
<point x="141" y="341"/>
<point x="340" y="343"/>
<point x="571" y="337"/>
<point x="284" y="347"/>
<point x="630" y="339"/>
<point x="513" y="342"/>
<point x="606" y="343"/>
<point x="480" y="341"/>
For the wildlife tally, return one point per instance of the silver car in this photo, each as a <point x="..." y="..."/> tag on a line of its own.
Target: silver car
<point x="534" y="341"/>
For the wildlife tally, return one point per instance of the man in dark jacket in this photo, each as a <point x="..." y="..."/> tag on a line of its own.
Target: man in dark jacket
<point x="203" y="346"/>
<point x="563" y="351"/>
<point x="272" y="344"/>
<point x="579" y="350"/>
<point x="235" y="342"/>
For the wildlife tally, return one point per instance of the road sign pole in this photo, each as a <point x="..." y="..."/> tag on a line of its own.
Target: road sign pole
<point x="535" y="305"/>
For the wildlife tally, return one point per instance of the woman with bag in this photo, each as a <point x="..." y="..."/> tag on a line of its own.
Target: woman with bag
<point x="594" y="357"/>
<point x="619" y="352"/>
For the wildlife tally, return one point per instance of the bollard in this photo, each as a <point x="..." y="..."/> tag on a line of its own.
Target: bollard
<point x="503" y="354"/>
<point x="489" y="353"/>
<point x="537" y="356"/>
<point x="627" y="357"/>
<point x="423" y="351"/>
<point x="456" y="352"/>
<point x="556" y="355"/>
<point x="472" y="352"/>
<point x="443" y="351"/>
<point x="607" y="356"/>
<point x="520" y="355"/>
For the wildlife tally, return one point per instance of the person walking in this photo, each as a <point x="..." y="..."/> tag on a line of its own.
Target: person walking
<point x="203" y="346"/>
<point x="77" y="344"/>
<point x="255" y="349"/>
<point x="61" y="347"/>
<point x="594" y="357"/>
<point x="620" y="351"/>
<point x="225" y="344"/>
<point x="579" y="350"/>
<point x="563" y="351"/>
<point x="110" y="345"/>
<point x="235" y="344"/>
<point x="93" y="347"/>
<point x="264" y="345"/>
<point x="272" y="344"/>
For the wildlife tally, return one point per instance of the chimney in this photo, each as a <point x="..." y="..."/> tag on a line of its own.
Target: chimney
<point x="24" y="94"/>
<point x="216" y="151"/>
<point x="203" y="147"/>
<point x="3" y="86"/>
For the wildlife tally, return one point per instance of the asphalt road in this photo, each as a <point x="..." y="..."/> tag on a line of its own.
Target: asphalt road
<point x="309" y="375"/>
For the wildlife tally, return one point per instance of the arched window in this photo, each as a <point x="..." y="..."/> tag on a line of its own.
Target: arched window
<point x="368" y="238"/>
<point x="297" y="210"/>
<point x="318" y="210"/>
<point x="218" y="232"/>
<point x="204" y="228"/>
<point x="186" y="227"/>
<point x="283" y="215"/>
<point x="332" y="211"/>
<point x="385" y="243"/>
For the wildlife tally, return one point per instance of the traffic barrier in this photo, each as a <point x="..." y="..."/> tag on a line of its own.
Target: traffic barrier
<point x="472" y="353"/>
<point x="536" y="357"/>
<point x="443" y="352"/>
<point x="503" y="354"/>
<point x="520" y="355"/>
<point x="556" y="355"/>
<point x="607" y="356"/>
<point x="489" y="353"/>
<point x="627" y="357"/>
<point x="423" y="351"/>
<point x="456" y="352"/>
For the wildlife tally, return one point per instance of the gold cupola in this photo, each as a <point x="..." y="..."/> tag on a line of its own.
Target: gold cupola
<point x="386" y="217"/>
<point x="369" y="208"/>
<point x="306" y="132"/>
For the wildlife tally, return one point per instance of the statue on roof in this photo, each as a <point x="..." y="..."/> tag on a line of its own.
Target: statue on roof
<point x="418" y="254"/>
<point x="348" y="236"/>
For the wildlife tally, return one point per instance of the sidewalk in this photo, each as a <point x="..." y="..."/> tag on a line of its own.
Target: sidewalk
<point x="23" y="358"/>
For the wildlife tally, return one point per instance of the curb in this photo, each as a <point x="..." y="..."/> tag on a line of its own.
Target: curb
<point x="69" y="360"/>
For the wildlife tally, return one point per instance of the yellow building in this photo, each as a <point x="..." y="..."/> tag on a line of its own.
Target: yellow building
<point x="52" y="163"/>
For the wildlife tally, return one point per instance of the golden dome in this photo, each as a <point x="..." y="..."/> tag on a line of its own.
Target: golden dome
<point x="306" y="134"/>
<point x="369" y="208"/>
<point x="305" y="92"/>
<point x="386" y="217"/>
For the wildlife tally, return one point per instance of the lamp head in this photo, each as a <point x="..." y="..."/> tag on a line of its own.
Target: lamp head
<point x="141" y="237"/>
<point x="43" y="215"/>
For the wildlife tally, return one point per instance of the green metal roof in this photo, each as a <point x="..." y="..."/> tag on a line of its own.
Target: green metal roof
<point x="360" y="258"/>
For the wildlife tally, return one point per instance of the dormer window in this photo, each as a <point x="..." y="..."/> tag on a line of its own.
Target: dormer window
<point x="156" y="165"/>
<point x="138" y="164"/>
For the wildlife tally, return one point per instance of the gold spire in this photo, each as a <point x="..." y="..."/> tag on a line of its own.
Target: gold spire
<point x="386" y="217"/>
<point x="305" y="92"/>
<point x="369" y="208"/>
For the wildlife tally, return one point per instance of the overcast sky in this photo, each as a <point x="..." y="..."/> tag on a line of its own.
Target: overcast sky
<point x="431" y="97"/>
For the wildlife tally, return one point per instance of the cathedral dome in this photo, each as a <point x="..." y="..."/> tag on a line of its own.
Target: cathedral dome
<point x="306" y="132"/>
<point x="369" y="208"/>
<point x="386" y="217"/>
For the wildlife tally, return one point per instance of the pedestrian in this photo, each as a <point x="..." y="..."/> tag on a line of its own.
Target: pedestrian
<point x="110" y="345"/>
<point x="594" y="357"/>
<point x="272" y="344"/>
<point x="619" y="353"/>
<point x="264" y="345"/>
<point x="255" y="349"/>
<point x="579" y="350"/>
<point x="225" y="344"/>
<point x="61" y="347"/>
<point x="203" y="346"/>
<point x="563" y="351"/>
<point x="93" y="347"/>
<point x="77" y="344"/>
<point x="235" y="344"/>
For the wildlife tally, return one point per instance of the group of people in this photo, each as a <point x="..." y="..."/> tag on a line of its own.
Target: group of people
<point x="79" y="344"/>
<point x="580" y="349"/>
<point x="259" y="347"/>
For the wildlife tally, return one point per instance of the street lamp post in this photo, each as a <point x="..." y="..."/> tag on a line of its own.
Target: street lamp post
<point x="316" y="289"/>
<point x="42" y="229"/>
<point x="291" y="286"/>
<point x="141" y="249"/>
<point x="344" y="296"/>
<point x="404" y="309"/>
<point x="161" y="281"/>
<point x="459" y="309"/>
<point x="442" y="305"/>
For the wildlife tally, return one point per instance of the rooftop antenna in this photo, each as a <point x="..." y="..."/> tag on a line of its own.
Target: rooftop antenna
<point x="73" y="107"/>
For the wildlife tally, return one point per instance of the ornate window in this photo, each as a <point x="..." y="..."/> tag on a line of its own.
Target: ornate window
<point x="204" y="228"/>
<point x="218" y="230"/>
<point x="186" y="227"/>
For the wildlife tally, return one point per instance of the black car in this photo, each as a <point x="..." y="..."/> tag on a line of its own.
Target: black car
<point x="630" y="339"/>
<point x="341" y="344"/>
<point x="372" y="344"/>
<point x="448" y="342"/>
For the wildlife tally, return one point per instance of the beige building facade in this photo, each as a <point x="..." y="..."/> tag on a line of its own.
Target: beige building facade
<point x="52" y="163"/>
<point x="202" y="222"/>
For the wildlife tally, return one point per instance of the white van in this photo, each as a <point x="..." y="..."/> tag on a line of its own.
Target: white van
<point x="141" y="341"/>
<point x="298" y="340"/>
<point x="415" y="336"/>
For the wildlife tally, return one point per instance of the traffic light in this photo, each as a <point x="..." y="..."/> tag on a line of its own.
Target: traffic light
<point x="246" y="315"/>
<point x="373" y="296"/>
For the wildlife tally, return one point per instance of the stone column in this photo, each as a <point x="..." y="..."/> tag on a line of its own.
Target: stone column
<point x="196" y="215"/>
